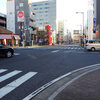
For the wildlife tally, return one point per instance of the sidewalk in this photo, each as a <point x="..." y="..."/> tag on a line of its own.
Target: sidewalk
<point x="81" y="84"/>
<point x="85" y="88"/>
<point x="35" y="46"/>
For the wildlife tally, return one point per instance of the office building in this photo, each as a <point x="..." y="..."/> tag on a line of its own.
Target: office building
<point x="97" y="16"/>
<point x="45" y="13"/>
<point x="13" y="23"/>
<point x="90" y="18"/>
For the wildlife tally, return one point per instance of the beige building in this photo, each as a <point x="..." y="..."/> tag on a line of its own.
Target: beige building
<point x="76" y="36"/>
<point x="61" y="31"/>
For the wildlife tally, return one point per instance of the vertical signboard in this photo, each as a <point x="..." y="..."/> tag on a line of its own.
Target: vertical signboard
<point x="48" y="29"/>
<point x="94" y="25"/>
<point x="20" y="16"/>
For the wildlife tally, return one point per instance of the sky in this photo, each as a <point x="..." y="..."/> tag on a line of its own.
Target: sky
<point x="67" y="10"/>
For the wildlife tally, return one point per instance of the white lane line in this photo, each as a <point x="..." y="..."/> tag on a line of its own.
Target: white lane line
<point x="71" y="48"/>
<point x="55" y="51"/>
<point x="2" y="70"/>
<point x="75" y="48"/>
<point x="16" y="54"/>
<point x="68" y="48"/>
<point x="11" y="86"/>
<point x="9" y="75"/>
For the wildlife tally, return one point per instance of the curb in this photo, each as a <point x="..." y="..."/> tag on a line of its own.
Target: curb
<point x="51" y="89"/>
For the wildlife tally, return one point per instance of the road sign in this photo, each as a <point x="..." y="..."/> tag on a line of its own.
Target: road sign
<point x="20" y="16"/>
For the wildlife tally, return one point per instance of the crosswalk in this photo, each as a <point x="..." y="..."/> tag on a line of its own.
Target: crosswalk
<point x="15" y="83"/>
<point x="63" y="48"/>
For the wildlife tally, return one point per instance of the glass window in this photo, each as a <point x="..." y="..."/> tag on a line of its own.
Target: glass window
<point x="46" y="11"/>
<point x="17" y="7"/>
<point x="41" y="4"/>
<point x="41" y="19"/>
<point x="91" y="41"/>
<point x="46" y="3"/>
<point x="40" y="8"/>
<point x="35" y="8"/>
<point x="40" y="23"/>
<point x="21" y="4"/>
<point x="34" y="5"/>
<point x="40" y="11"/>
<point x="46" y="8"/>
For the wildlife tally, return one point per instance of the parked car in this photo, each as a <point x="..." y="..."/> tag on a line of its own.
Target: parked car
<point x="6" y="51"/>
<point x="93" y="45"/>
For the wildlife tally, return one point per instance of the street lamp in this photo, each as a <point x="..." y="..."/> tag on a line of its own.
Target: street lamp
<point x="83" y="26"/>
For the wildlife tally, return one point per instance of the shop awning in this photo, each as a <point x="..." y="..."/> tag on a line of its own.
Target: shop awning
<point x="17" y="37"/>
<point x="5" y="37"/>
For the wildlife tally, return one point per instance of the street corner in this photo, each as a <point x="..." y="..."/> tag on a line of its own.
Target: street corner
<point x="85" y="88"/>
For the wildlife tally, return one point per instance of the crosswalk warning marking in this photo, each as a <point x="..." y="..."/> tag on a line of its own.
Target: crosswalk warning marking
<point x="2" y="70"/>
<point x="9" y="75"/>
<point x="11" y="86"/>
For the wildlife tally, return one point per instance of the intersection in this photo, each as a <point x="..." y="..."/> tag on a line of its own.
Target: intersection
<point x="40" y="66"/>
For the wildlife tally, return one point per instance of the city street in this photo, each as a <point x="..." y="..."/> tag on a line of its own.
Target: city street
<point x="31" y="68"/>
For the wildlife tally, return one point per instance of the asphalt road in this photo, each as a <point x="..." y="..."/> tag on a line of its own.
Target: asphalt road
<point x="31" y="68"/>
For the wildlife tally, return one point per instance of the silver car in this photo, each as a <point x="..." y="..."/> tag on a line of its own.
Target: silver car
<point x="93" y="45"/>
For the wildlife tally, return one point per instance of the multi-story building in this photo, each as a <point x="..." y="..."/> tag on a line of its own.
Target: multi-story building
<point x="90" y="18"/>
<point x="2" y="20"/>
<point x="97" y="16"/>
<point x="21" y="28"/>
<point x="61" y="31"/>
<point x="45" y="13"/>
<point x="76" y="36"/>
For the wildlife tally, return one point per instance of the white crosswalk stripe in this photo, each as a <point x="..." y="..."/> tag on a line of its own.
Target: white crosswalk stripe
<point x="3" y="70"/>
<point x="9" y="75"/>
<point x="16" y="83"/>
<point x="61" y="48"/>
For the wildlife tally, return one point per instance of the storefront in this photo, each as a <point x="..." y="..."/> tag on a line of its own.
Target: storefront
<point x="8" y="38"/>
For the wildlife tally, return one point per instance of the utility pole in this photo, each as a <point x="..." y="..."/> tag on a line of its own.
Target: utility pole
<point x="83" y="27"/>
<point x="21" y="30"/>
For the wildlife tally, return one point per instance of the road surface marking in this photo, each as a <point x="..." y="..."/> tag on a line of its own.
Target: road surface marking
<point x="75" y="48"/>
<point x="16" y="54"/>
<point x="33" y="94"/>
<point x="55" y="51"/>
<point x="9" y="75"/>
<point x="2" y="70"/>
<point x="68" y="48"/>
<point x="71" y="48"/>
<point x="11" y="86"/>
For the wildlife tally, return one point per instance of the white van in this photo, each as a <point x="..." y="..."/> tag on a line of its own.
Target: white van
<point x="93" y="45"/>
